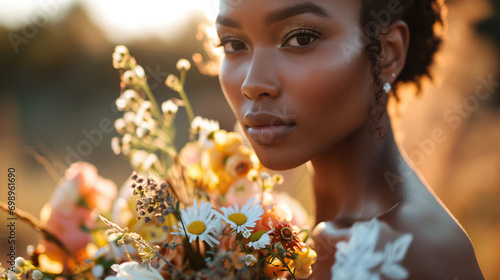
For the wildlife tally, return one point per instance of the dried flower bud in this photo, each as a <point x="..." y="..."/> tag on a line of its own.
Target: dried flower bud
<point x="183" y="65"/>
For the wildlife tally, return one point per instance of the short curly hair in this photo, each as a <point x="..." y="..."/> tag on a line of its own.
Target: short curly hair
<point x="422" y="17"/>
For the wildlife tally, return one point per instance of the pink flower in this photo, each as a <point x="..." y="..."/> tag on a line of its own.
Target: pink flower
<point x="96" y="191"/>
<point x="72" y="211"/>
<point x="241" y="190"/>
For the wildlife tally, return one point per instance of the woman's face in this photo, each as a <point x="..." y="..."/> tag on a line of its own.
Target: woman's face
<point x="295" y="75"/>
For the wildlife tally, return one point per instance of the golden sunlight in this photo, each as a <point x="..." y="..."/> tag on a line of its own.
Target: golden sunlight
<point x="121" y="20"/>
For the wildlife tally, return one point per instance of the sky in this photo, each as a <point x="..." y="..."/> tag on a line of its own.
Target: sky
<point x="121" y="20"/>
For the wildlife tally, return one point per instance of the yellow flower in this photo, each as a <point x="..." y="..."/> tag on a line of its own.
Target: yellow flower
<point x="238" y="165"/>
<point x="227" y="142"/>
<point x="302" y="265"/>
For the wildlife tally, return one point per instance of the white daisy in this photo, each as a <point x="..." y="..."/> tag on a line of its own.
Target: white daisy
<point x="242" y="219"/>
<point x="200" y="222"/>
<point x="259" y="240"/>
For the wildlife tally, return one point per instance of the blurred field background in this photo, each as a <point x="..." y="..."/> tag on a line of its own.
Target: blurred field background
<point x="58" y="83"/>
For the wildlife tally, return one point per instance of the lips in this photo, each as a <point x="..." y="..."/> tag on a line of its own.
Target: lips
<point x="266" y="128"/>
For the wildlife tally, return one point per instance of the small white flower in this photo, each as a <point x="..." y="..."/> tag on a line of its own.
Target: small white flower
<point x="121" y="50"/>
<point x="121" y="104"/>
<point x="11" y="275"/>
<point x="250" y="260"/>
<point x="120" y="56"/>
<point x="127" y="100"/>
<point x="247" y="234"/>
<point x="138" y="157"/>
<point x="150" y="162"/>
<point x="139" y="72"/>
<point x="204" y="127"/>
<point x="183" y="65"/>
<point x="173" y="82"/>
<point x="200" y="222"/>
<point x="19" y="261"/>
<point x="259" y="240"/>
<point x="143" y="113"/>
<point x="169" y="107"/>
<point x="133" y="270"/>
<point x="143" y="130"/>
<point x="120" y="125"/>
<point x="37" y="274"/>
<point x="134" y="76"/>
<point x="242" y="219"/>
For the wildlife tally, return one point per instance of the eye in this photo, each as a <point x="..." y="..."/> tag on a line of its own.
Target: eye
<point x="232" y="45"/>
<point x="300" y="38"/>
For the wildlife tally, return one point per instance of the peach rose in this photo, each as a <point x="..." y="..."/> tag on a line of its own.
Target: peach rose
<point x="72" y="211"/>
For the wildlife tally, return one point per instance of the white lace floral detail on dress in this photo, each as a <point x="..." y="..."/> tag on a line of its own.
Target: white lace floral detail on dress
<point x="359" y="259"/>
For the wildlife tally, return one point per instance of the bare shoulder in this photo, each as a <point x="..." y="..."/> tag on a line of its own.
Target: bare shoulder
<point x="440" y="248"/>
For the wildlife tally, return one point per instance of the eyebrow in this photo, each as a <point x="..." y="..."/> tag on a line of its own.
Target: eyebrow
<point x="295" y="10"/>
<point x="227" y="22"/>
<point x="281" y="14"/>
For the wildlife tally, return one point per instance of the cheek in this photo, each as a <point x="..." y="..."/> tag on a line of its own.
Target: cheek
<point x="231" y="82"/>
<point x="337" y="95"/>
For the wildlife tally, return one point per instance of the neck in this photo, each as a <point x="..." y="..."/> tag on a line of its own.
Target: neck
<point x="349" y="178"/>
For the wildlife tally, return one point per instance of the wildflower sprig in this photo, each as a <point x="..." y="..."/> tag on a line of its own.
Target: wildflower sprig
<point x="177" y="84"/>
<point x="146" y="127"/>
<point x="22" y="267"/>
<point x="147" y="252"/>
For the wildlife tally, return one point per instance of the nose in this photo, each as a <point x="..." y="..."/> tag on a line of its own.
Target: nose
<point x="261" y="81"/>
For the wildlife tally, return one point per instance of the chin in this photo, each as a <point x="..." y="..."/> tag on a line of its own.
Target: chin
<point x="279" y="163"/>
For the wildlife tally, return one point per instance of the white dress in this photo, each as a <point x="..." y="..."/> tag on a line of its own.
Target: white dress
<point x="371" y="253"/>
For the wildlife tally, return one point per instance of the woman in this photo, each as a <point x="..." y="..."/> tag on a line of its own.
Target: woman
<point x="309" y="81"/>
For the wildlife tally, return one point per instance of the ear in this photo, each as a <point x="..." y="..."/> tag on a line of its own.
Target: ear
<point x="395" y="49"/>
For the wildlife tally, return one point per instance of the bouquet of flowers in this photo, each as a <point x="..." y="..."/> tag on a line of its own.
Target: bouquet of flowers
<point x="208" y="210"/>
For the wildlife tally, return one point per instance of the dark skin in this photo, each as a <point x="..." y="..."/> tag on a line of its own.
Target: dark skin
<point x="284" y="58"/>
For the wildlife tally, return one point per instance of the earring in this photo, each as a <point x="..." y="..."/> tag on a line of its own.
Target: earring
<point x="387" y="87"/>
<point x="393" y="75"/>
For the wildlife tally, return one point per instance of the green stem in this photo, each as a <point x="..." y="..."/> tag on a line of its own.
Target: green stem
<point x="198" y="246"/>
<point x="282" y="261"/>
<point x="155" y="109"/>
<point x="189" y="249"/>
<point x="184" y="97"/>
<point x="168" y="263"/>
